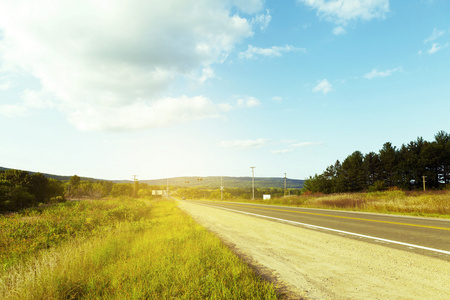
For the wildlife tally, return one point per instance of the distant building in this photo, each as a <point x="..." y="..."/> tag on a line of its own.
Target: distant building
<point x="162" y="193"/>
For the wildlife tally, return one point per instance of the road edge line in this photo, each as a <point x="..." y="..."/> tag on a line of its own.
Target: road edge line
<point x="339" y="231"/>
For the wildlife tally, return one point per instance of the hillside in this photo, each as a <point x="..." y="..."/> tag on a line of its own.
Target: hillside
<point x="57" y="177"/>
<point x="234" y="182"/>
<point x="209" y="181"/>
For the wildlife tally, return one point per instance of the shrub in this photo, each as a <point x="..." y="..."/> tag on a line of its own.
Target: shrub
<point x="377" y="186"/>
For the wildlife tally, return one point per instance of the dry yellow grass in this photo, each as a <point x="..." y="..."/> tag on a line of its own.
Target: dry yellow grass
<point x="426" y="204"/>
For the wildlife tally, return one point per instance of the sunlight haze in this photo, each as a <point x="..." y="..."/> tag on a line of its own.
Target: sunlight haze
<point x="108" y="89"/>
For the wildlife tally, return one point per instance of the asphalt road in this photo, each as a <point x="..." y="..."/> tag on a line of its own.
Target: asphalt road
<point x="428" y="236"/>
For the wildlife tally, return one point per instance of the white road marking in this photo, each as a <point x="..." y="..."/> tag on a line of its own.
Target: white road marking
<point x="340" y="231"/>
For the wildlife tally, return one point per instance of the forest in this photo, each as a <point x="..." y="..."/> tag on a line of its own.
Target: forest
<point x="404" y="168"/>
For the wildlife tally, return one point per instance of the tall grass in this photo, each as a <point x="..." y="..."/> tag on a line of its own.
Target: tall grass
<point x="25" y="233"/>
<point x="427" y="204"/>
<point x="163" y="254"/>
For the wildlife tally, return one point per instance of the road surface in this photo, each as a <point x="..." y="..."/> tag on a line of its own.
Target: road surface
<point x="312" y="261"/>
<point x="429" y="236"/>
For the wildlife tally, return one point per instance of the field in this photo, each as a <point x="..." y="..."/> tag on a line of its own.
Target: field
<point x="424" y="204"/>
<point x="119" y="249"/>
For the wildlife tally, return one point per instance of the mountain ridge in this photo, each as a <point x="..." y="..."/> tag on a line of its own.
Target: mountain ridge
<point x="198" y="181"/>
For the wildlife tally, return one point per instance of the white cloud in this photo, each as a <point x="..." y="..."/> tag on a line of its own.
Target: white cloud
<point x="6" y="85"/>
<point x="6" y="82"/>
<point x="30" y="100"/>
<point x="164" y="112"/>
<point x="338" y="30"/>
<point x="375" y="73"/>
<point x="434" y="35"/>
<point x="262" y="20"/>
<point x="436" y="47"/>
<point x="247" y="102"/>
<point x="102" y="58"/>
<point x="343" y="11"/>
<point x="245" y="144"/>
<point x="306" y="144"/>
<point x="323" y="86"/>
<point x="292" y="145"/>
<point x="274" y="51"/>
<point x="13" y="110"/>
<point x="282" y="151"/>
<point x="248" y="6"/>
<point x="37" y="99"/>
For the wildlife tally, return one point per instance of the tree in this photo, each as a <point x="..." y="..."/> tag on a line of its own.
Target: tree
<point x="442" y="145"/>
<point x="411" y="163"/>
<point x="55" y="188"/>
<point x="74" y="181"/>
<point x="388" y="161"/>
<point x="38" y="186"/>
<point x="353" y="172"/>
<point x="371" y="167"/>
<point x="122" y="189"/>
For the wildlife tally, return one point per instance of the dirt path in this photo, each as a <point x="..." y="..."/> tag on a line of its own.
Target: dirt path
<point x="317" y="265"/>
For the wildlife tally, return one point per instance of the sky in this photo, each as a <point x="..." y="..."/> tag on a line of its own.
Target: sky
<point x="157" y="89"/>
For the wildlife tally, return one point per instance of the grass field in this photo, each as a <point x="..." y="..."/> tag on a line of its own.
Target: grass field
<point x="121" y="249"/>
<point x="425" y="204"/>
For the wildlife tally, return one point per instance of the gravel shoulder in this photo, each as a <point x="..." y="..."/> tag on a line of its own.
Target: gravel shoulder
<point x="309" y="264"/>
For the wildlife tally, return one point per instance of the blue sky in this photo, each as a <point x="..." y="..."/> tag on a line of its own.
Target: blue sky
<point x="108" y="89"/>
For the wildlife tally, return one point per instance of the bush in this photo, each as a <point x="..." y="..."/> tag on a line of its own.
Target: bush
<point x="378" y="186"/>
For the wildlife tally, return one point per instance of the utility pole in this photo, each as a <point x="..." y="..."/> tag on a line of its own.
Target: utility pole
<point x="135" y="188"/>
<point x="167" y="191"/>
<point x="423" y="177"/>
<point x="221" y="187"/>
<point x="253" y="181"/>
<point x="285" y="184"/>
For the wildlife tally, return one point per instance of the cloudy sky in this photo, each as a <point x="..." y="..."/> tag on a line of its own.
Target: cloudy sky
<point x="109" y="89"/>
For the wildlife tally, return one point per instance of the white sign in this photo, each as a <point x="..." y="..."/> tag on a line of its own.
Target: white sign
<point x="266" y="197"/>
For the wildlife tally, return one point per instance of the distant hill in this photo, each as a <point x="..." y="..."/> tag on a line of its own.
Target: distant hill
<point x="58" y="177"/>
<point x="234" y="182"/>
<point x="209" y="181"/>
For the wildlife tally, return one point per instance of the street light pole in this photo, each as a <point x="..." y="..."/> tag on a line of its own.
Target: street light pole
<point x="253" y="181"/>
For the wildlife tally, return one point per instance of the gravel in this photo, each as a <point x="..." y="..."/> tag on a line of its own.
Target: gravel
<point x="308" y="264"/>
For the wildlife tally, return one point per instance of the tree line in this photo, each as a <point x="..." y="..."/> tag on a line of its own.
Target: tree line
<point x="405" y="168"/>
<point x="20" y="189"/>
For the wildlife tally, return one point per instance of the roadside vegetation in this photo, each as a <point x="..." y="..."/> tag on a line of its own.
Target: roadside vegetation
<point x="118" y="249"/>
<point x="394" y="201"/>
<point x="411" y="167"/>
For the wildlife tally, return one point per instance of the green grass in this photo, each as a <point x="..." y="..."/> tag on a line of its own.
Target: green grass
<point x="30" y="231"/>
<point x="135" y="250"/>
